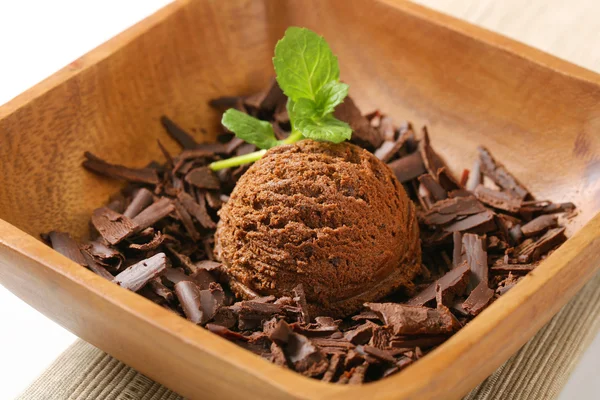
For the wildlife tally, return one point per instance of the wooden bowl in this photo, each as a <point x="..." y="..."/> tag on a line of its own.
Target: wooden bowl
<point x="538" y="114"/>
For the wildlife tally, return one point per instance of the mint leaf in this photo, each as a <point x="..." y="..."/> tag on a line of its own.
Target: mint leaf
<point x="252" y="130"/>
<point x="304" y="63"/>
<point x="330" y="95"/>
<point x="328" y="129"/>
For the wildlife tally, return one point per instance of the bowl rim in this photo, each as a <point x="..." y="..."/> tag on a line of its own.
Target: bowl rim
<point x="575" y="260"/>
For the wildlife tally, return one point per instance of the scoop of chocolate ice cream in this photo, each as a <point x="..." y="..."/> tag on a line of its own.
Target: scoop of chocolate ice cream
<point x="330" y="216"/>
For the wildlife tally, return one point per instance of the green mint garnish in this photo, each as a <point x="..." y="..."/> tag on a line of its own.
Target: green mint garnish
<point x="308" y="73"/>
<point x="252" y="130"/>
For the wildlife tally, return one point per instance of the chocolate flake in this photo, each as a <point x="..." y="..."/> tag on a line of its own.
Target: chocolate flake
<point x="184" y="139"/>
<point x="113" y="227"/>
<point x="539" y="225"/>
<point x="153" y="213"/>
<point x="475" y="176"/>
<point x="476" y="259"/>
<point x="142" y="175"/>
<point x="203" y="178"/>
<point x="433" y="187"/>
<point x="362" y="131"/>
<point x="482" y="223"/>
<point x="502" y="200"/>
<point x="161" y="290"/>
<point x="95" y="267"/>
<point x="198" y="210"/>
<point x="479" y="298"/>
<point x="408" y="167"/>
<point x="153" y="244"/>
<point x="410" y="342"/>
<point x="300" y="299"/>
<point x="531" y="251"/>
<point x="413" y="320"/>
<point x="382" y="355"/>
<point x="334" y="369"/>
<point x="64" y="244"/>
<point x="448" y="210"/>
<point x="138" y="275"/>
<point x="453" y="283"/>
<point x="358" y="374"/>
<point x="518" y="269"/>
<point x="268" y="98"/>
<point x="186" y="220"/>
<point x="361" y="334"/>
<point x="501" y="177"/>
<point x="142" y="199"/>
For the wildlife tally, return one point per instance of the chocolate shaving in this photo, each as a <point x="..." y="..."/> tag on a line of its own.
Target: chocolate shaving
<point x="531" y="251"/>
<point x="113" y="227"/>
<point x="184" y="139"/>
<point x="479" y="298"/>
<point x="362" y="131"/>
<point x="475" y="176"/>
<point x="95" y="267"/>
<point x="300" y="299"/>
<point x="382" y="336"/>
<point x="501" y="177"/>
<point x="433" y="187"/>
<point x="476" y="259"/>
<point x="203" y="178"/>
<point x="142" y="175"/>
<point x="539" y="225"/>
<point x="480" y="223"/>
<point x="453" y="283"/>
<point x="447" y="181"/>
<point x="408" y="168"/>
<point x="253" y="313"/>
<point x="65" y="245"/>
<point x="225" y="102"/>
<point x="153" y="214"/>
<point x="267" y="99"/>
<point x="161" y="290"/>
<point x="410" y="342"/>
<point x="391" y="147"/>
<point x="358" y="374"/>
<point x="186" y="220"/>
<point x="457" y="251"/>
<point x="203" y="278"/>
<point x="361" y="334"/>
<point x="197" y="210"/>
<point x="448" y="210"/>
<point x="382" y="355"/>
<point x="334" y="369"/>
<point x="501" y="200"/>
<point x="138" y="275"/>
<point x="414" y="320"/>
<point x="517" y="269"/>
<point x="142" y="199"/>
<point x="432" y="161"/>
<point x="277" y="356"/>
<point x="153" y="244"/>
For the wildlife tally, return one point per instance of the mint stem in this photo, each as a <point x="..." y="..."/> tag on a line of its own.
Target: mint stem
<point x="251" y="157"/>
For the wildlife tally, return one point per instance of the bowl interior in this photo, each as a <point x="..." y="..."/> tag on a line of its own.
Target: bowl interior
<point x="538" y="116"/>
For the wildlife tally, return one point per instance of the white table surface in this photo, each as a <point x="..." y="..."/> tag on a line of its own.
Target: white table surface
<point x="38" y="37"/>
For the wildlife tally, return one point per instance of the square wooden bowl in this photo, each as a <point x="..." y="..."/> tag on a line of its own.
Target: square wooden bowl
<point x="538" y="114"/>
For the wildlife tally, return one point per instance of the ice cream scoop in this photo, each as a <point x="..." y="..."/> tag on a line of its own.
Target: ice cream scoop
<point x="329" y="216"/>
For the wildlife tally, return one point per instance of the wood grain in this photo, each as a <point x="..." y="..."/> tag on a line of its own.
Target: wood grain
<point x="539" y="115"/>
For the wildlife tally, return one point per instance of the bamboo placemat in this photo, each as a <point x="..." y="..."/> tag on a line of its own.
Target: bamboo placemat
<point x="541" y="368"/>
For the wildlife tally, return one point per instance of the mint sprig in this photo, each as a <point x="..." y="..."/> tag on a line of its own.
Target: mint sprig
<point x="308" y="73"/>
<point x="252" y="130"/>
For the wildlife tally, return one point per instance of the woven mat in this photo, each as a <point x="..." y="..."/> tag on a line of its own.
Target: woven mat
<point x="539" y="370"/>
